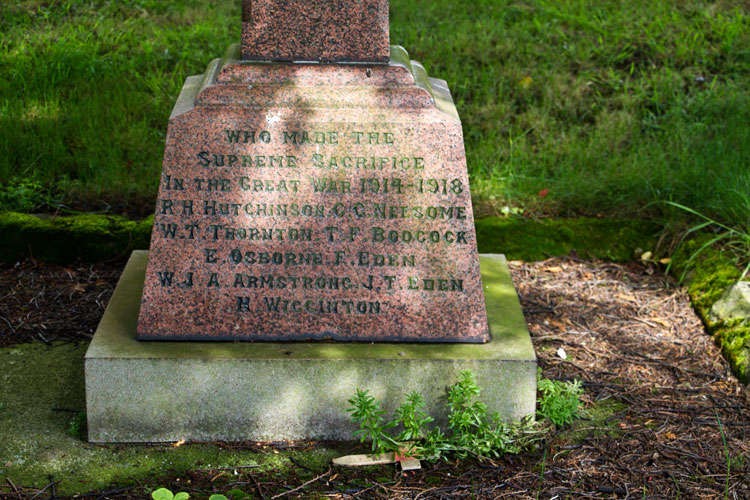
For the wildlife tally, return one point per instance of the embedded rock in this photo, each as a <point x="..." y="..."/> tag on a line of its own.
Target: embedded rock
<point x="734" y="304"/>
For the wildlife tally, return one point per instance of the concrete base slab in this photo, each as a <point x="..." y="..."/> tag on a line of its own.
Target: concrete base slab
<point x="200" y="391"/>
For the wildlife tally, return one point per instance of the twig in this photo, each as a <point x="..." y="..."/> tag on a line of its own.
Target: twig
<point x="13" y="486"/>
<point x="257" y="487"/>
<point x="302" y="486"/>
<point x="43" y="490"/>
<point x="302" y="466"/>
<point x="12" y="330"/>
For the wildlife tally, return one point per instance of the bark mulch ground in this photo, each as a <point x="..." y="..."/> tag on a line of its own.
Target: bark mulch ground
<point x="677" y="422"/>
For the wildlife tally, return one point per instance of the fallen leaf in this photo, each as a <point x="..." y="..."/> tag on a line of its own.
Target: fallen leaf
<point x="623" y="296"/>
<point x="660" y="321"/>
<point x="178" y="443"/>
<point x="560" y="326"/>
<point x="553" y="269"/>
<point x="665" y="261"/>
<point x="544" y="192"/>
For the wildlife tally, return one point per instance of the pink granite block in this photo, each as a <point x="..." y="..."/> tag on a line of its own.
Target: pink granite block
<point x="315" y="30"/>
<point x="311" y="202"/>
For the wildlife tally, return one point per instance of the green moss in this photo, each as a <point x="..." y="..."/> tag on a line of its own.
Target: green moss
<point x="734" y="340"/>
<point x="597" y="422"/>
<point x="531" y="240"/>
<point x="42" y="390"/>
<point x="709" y="273"/>
<point x="69" y="238"/>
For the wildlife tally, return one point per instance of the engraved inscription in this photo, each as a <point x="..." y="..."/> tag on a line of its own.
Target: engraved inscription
<point x="337" y="225"/>
<point x="340" y="195"/>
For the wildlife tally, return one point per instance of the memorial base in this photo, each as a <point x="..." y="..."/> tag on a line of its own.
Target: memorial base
<point x="140" y="391"/>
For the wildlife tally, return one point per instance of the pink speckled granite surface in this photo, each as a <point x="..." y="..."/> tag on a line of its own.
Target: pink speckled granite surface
<point x="314" y="202"/>
<point x="315" y="30"/>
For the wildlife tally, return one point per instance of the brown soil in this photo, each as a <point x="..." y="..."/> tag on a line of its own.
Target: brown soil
<point x="635" y="343"/>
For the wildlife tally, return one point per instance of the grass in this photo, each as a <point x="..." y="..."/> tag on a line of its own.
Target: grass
<point x="606" y="105"/>
<point x="86" y="88"/>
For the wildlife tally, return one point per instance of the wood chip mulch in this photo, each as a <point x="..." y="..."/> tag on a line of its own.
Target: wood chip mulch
<point x="46" y="302"/>
<point x="634" y="342"/>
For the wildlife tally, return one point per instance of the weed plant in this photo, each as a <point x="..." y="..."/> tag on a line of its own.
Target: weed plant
<point x="472" y="431"/>
<point x="24" y="195"/>
<point x="603" y="106"/>
<point x="559" y="402"/>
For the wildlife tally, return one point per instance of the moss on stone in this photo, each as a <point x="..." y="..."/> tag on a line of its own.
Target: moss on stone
<point x="710" y="272"/>
<point x="531" y="240"/>
<point x="66" y="239"/>
<point x="734" y="340"/>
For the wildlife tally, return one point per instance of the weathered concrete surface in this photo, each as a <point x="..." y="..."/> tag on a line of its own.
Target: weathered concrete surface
<point x="167" y="391"/>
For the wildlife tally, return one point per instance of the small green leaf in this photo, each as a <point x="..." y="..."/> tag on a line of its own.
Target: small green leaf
<point x="181" y="496"/>
<point x="162" y="494"/>
<point x="217" y="497"/>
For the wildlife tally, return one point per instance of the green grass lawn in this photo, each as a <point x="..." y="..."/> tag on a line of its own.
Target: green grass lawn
<point x="608" y="105"/>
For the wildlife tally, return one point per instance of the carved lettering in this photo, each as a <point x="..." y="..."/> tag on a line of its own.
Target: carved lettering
<point x="165" y="277"/>
<point x="251" y="258"/>
<point x="247" y="136"/>
<point x="272" y="282"/>
<point x="311" y="306"/>
<point x="312" y="218"/>
<point x="268" y="185"/>
<point x="173" y="183"/>
<point x="380" y="235"/>
<point x="230" y="160"/>
<point x="367" y="162"/>
<point x="305" y="137"/>
<point x="167" y="230"/>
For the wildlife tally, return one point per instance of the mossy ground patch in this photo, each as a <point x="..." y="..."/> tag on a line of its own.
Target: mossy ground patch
<point x="42" y="391"/>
